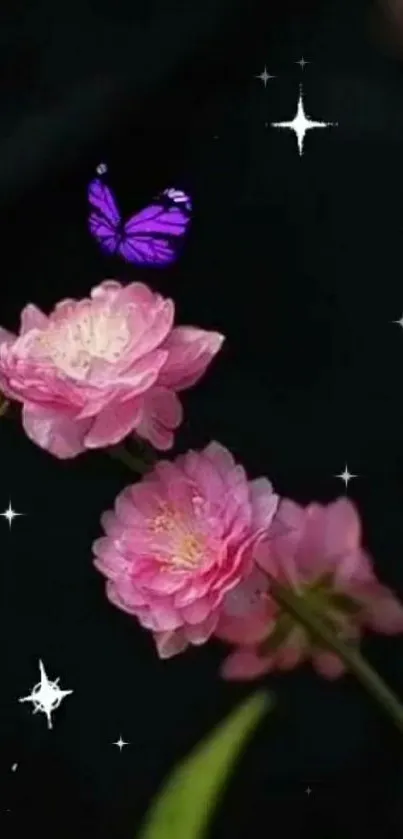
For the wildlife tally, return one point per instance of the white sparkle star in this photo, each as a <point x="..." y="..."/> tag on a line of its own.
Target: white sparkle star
<point x="302" y="63"/>
<point x="300" y="124"/>
<point x="14" y="766"/>
<point x="308" y="790"/>
<point x="346" y="476"/>
<point x="120" y="743"/>
<point x="10" y="514"/>
<point x="46" y="696"/>
<point x="399" y="322"/>
<point x="265" y="76"/>
<point x="102" y="168"/>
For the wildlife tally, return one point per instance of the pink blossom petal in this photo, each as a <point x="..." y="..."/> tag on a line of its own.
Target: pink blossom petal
<point x="32" y="318"/>
<point x="170" y="644"/>
<point x="107" y="290"/>
<point x="205" y="475"/>
<point x="190" y="352"/>
<point x="6" y="337"/>
<point x="150" y="328"/>
<point x="164" y="583"/>
<point x="293" y="651"/>
<point x="162" y="413"/>
<point x="329" y="665"/>
<point x="200" y="633"/>
<point x="166" y="618"/>
<point x="244" y="629"/>
<point x="113" y="424"/>
<point x="384" y="613"/>
<point x="221" y="458"/>
<point x="264" y="502"/>
<point x="58" y="434"/>
<point x="196" y="612"/>
<point x="343" y="527"/>
<point x="120" y="597"/>
<point x="110" y="561"/>
<point x="245" y="665"/>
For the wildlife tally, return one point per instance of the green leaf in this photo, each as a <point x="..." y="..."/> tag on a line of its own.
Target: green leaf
<point x="183" y="807"/>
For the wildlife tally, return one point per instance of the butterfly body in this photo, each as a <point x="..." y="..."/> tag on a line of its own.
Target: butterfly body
<point x="150" y="237"/>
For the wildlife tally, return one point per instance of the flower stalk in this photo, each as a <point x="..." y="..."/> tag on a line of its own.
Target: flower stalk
<point x="352" y="658"/>
<point x="136" y="464"/>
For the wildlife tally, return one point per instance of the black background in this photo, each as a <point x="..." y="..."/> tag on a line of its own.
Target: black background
<point x="298" y="261"/>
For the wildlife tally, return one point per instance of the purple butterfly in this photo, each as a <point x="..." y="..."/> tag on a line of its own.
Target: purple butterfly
<point x="147" y="238"/>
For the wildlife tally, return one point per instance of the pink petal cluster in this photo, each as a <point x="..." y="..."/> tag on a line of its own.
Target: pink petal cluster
<point x="179" y="540"/>
<point x="317" y="552"/>
<point x="97" y="369"/>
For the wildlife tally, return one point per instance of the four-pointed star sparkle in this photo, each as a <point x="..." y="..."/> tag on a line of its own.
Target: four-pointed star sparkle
<point x="120" y="743"/>
<point x="265" y="76"/>
<point x="10" y="514"/>
<point x="302" y="63"/>
<point x="301" y="124"/>
<point x="346" y="476"/>
<point x="46" y="696"/>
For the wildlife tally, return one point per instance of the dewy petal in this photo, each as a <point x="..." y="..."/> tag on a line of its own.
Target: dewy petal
<point x="58" y="434"/>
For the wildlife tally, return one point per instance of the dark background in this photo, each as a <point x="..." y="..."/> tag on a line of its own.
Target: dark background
<point x="298" y="261"/>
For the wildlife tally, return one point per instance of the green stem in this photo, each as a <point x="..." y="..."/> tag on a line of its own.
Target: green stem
<point x="134" y="463"/>
<point x="354" y="661"/>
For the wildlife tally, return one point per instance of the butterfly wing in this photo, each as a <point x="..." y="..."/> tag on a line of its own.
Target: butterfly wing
<point x="150" y="237"/>
<point x="104" y="220"/>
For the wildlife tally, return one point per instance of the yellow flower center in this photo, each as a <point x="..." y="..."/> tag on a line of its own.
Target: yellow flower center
<point x="187" y="548"/>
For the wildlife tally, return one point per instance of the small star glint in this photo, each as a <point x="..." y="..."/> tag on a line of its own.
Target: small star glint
<point x="346" y="476"/>
<point x="265" y="76"/>
<point x="308" y="790"/>
<point x="10" y="514"/>
<point x="302" y="63"/>
<point x="120" y="743"/>
<point x="301" y="124"/>
<point x="46" y="696"/>
<point x="399" y="322"/>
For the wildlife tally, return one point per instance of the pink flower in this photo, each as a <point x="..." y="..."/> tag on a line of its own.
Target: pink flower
<point x="179" y="540"/>
<point x="317" y="552"/>
<point x="99" y="368"/>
